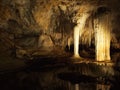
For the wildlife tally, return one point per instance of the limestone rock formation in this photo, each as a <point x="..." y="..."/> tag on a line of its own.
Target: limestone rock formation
<point x="34" y="24"/>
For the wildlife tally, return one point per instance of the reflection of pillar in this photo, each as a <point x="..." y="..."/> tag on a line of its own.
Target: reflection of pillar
<point x="102" y="87"/>
<point x="76" y="86"/>
<point x="102" y="38"/>
<point x="78" y="29"/>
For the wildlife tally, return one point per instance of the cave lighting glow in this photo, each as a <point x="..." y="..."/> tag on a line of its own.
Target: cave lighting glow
<point x="76" y="41"/>
<point x="102" y="38"/>
<point x="76" y="86"/>
<point x="78" y="30"/>
<point x="102" y="87"/>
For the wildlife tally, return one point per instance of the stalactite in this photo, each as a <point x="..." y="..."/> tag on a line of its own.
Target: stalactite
<point x="69" y="42"/>
<point x="102" y="37"/>
<point x="78" y="30"/>
<point x="86" y="37"/>
<point x="88" y="34"/>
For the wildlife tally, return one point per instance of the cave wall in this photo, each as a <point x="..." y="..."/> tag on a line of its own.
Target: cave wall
<point x="33" y="24"/>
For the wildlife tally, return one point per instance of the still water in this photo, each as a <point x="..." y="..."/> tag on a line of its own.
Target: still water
<point x="63" y="75"/>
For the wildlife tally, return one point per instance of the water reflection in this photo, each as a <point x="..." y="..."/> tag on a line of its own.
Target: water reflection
<point x="83" y="82"/>
<point x="89" y="86"/>
<point x="80" y="76"/>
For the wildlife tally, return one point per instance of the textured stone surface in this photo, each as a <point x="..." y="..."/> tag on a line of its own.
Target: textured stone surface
<point x="24" y="21"/>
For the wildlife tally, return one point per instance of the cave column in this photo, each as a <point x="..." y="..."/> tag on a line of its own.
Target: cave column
<point x="102" y="37"/>
<point x="78" y="29"/>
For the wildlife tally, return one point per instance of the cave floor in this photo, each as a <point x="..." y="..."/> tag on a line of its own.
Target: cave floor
<point x="47" y="73"/>
<point x="48" y="70"/>
<point x="7" y="65"/>
<point x="41" y="59"/>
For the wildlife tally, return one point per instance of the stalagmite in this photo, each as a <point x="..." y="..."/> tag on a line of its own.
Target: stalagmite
<point x="78" y="29"/>
<point x="102" y="37"/>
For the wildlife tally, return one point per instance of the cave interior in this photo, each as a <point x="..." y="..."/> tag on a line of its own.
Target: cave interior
<point x="59" y="45"/>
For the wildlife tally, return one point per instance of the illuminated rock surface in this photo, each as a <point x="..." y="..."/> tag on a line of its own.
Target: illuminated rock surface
<point x="103" y="35"/>
<point x="37" y="40"/>
<point x="24" y="21"/>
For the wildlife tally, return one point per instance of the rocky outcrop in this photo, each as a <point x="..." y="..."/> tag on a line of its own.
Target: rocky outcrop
<point x="34" y="24"/>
